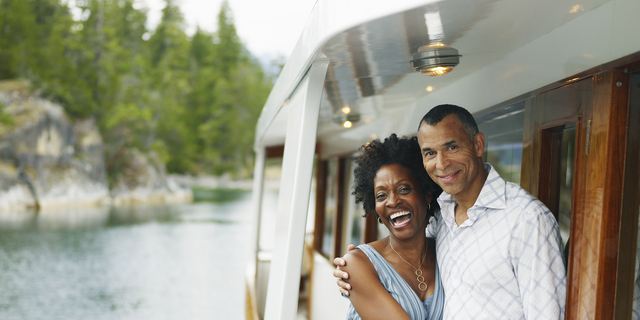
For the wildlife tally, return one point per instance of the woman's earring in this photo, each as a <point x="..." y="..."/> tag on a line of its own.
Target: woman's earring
<point x="428" y="206"/>
<point x="379" y="220"/>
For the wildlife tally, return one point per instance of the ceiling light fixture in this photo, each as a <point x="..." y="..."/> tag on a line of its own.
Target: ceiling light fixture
<point x="346" y="120"/>
<point x="435" y="59"/>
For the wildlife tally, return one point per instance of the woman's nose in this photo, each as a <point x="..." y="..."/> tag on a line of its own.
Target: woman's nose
<point x="393" y="200"/>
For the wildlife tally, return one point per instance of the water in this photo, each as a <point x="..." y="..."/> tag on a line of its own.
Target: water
<point x="148" y="262"/>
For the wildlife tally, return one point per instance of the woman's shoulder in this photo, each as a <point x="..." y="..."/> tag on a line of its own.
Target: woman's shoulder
<point x="356" y="256"/>
<point x="363" y="257"/>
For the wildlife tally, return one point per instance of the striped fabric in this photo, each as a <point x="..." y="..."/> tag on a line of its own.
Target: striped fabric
<point x="431" y="309"/>
<point x="505" y="261"/>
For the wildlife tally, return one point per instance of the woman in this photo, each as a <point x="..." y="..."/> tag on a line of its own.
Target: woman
<point x="395" y="277"/>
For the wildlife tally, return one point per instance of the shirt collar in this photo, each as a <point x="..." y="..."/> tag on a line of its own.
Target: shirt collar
<point x="492" y="196"/>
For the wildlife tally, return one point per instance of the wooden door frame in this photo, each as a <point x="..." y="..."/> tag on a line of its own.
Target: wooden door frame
<point x="601" y="135"/>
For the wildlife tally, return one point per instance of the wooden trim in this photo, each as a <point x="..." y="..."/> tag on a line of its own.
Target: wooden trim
<point x="578" y="205"/>
<point x="338" y="223"/>
<point x="544" y="166"/>
<point x="321" y="197"/>
<point x="274" y="152"/>
<point x="527" y="165"/>
<point x="630" y="202"/>
<point x="611" y="105"/>
<point x="602" y="197"/>
<point x="370" y="228"/>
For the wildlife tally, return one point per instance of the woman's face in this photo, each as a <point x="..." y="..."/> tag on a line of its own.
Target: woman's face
<point x="399" y="201"/>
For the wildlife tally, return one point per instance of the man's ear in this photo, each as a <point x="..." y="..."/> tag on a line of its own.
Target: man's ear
<point x="478" y="142"/>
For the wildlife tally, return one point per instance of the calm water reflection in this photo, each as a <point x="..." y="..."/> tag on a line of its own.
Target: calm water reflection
<point x="162" y="262"/>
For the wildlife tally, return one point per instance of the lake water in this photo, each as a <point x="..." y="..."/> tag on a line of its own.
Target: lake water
<point x="182" y="261"/>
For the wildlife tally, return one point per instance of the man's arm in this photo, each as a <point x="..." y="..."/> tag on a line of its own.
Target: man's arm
<point x="541" y="272"/>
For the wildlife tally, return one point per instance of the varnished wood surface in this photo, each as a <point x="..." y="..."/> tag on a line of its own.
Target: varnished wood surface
<point x="578" y="203"/>
<point x="630" y="203"/>
<point x="340" y="196"/>
<point x="322" y="167"/>
<point x="608" y="131"/>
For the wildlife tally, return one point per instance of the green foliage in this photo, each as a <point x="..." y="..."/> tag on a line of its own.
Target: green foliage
<point x="192" y="102"/>
<point x="5" y="118"/>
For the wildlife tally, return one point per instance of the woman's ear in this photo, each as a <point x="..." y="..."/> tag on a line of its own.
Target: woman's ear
<point x="427" y="197"/>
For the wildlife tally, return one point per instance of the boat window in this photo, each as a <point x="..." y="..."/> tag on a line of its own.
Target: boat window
<point x="503" y="144"/>
<point x="330" y="208"/>
<point x="273" y="172"/>
<point x="355" y="221"/>
<point x="565" y="183"/>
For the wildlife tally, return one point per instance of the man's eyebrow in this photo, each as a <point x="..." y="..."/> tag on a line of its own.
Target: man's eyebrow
<point x="446" y="144"/>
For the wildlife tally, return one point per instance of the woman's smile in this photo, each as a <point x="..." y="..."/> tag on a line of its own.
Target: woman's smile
<point x="400" y="219"/>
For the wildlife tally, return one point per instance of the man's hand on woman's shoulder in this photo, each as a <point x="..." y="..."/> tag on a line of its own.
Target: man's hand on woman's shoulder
<point x="341" y="275"/>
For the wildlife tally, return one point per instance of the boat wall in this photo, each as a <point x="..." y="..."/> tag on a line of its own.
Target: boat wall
<point x="326" y="302"/>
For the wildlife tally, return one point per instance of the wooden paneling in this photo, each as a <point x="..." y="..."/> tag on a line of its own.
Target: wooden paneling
<point x="340" y="197"/>
<point x="597" y="200"/>
<point x="322" y="167"/>
<point x="630" y="204"/>
<point x="605" y="169"/>
<point x="527" y="171"/>
<point x="574" y="260"/>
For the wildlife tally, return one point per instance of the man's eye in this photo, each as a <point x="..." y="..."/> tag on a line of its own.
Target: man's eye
<point x="429" y="154"/>
<point x="453" y="148"/>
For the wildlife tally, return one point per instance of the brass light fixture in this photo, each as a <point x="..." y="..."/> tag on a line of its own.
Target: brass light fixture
<point x="435" y="59"/>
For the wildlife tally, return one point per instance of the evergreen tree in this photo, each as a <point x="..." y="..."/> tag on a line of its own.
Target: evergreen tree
<point x="193" y="102"/>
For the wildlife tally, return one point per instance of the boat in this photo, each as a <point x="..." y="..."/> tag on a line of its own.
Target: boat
<point x="553" y="84"/>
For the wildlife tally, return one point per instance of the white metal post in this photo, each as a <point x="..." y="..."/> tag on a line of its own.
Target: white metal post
<point x="293" y="200"/>
<point x="256" y="207"/>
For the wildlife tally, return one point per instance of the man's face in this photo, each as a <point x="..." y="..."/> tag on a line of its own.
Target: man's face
<point x="452" y="160"/>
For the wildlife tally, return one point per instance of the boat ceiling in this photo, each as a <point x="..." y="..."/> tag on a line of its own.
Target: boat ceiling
<point x="508" y="48"/>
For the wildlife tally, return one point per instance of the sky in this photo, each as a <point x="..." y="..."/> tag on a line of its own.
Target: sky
<point x="268" y="28"/>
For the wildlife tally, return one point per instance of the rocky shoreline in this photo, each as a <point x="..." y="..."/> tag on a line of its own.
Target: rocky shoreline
<point x="48" y="162"/>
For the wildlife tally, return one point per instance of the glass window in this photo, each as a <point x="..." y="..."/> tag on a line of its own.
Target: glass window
<point x="503" y="144"/>
<point x="354" y="212"/>
<point x="330" y="208"/>
<point x="566" y="180"/>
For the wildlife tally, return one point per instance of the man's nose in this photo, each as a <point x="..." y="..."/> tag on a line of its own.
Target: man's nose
<point x="442" y="161"/>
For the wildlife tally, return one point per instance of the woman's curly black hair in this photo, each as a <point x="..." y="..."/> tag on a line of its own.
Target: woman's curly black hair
<point x="375" y="154"/>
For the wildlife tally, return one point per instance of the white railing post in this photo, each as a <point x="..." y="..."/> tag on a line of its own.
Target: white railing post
<point x="256" y="206"/>
<point x="293" y="199"/>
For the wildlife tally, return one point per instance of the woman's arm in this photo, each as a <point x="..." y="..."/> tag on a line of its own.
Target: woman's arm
<point x="368" y="296"/>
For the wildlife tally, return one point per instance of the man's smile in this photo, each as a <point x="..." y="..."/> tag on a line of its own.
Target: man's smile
<point x="449" y="177"/>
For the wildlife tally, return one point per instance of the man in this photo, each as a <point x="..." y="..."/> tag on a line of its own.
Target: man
<point x="498" y="247"/>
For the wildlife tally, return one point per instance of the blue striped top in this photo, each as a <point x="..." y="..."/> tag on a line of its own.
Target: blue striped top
<point x="430" y="309"/>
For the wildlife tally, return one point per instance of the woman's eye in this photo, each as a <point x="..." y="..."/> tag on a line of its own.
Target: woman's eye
<point x="404" y="190"/>
<point x="380" y="196"/>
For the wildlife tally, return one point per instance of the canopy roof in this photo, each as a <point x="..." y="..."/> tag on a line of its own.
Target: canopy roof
<point x="508" y="48"/>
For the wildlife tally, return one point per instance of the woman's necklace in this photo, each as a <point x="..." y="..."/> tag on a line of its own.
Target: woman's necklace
<point x="421" y="284"/>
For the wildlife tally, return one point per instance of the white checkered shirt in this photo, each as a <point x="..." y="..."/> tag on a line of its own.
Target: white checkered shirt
<point x="505" y="261"/>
